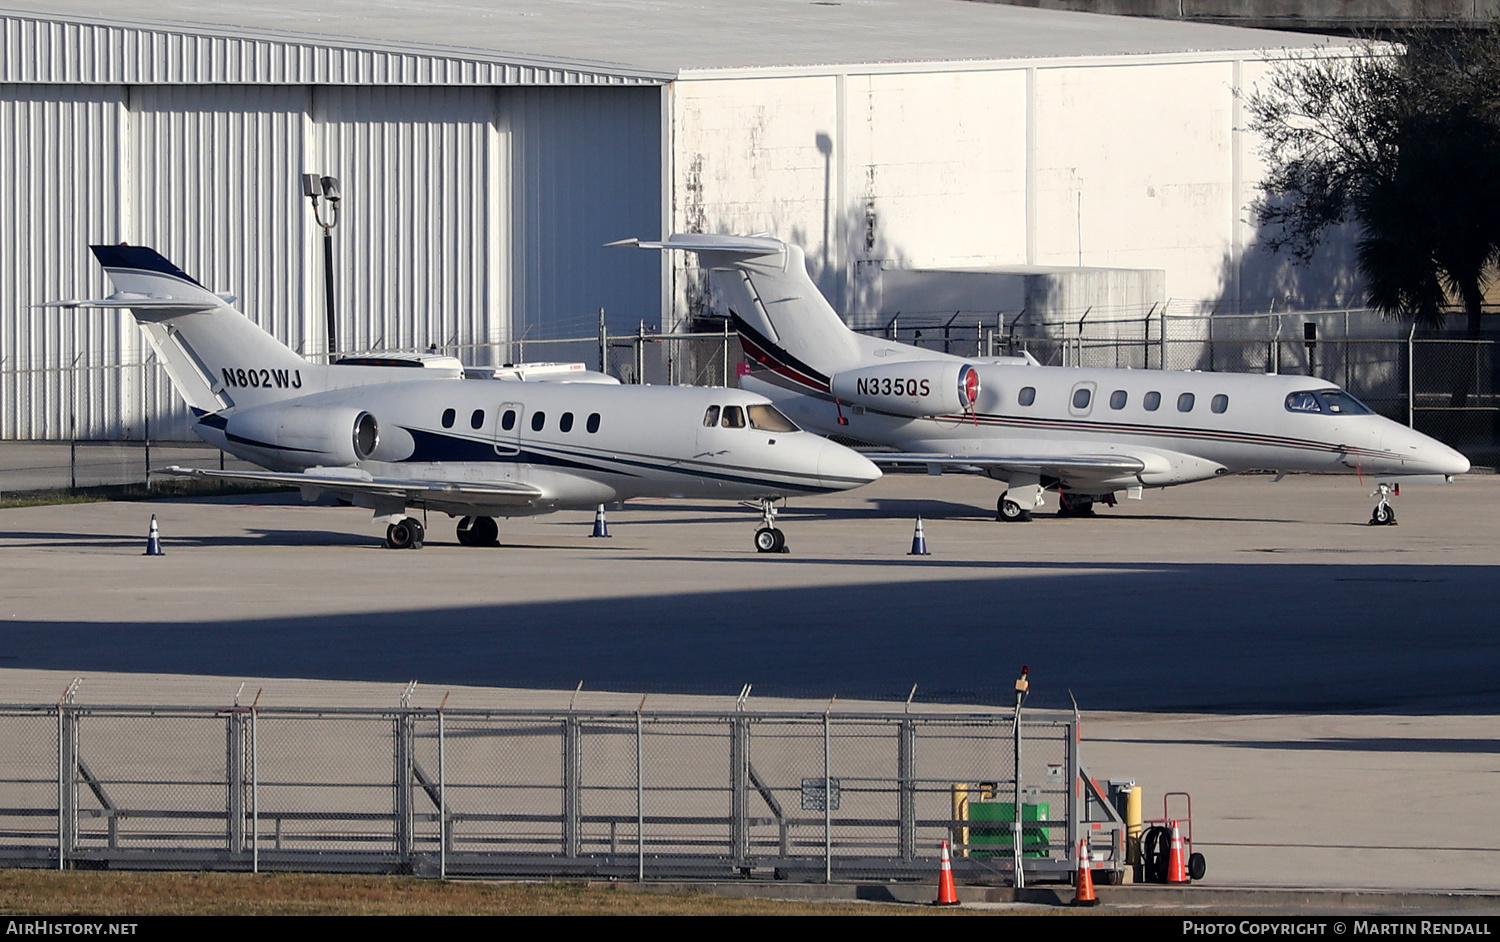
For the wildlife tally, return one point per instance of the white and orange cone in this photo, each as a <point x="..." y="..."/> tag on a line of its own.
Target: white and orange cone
<point x="947" y="892"/>
<point x="1083" y="892"/>
<point x="1176" y="862"/>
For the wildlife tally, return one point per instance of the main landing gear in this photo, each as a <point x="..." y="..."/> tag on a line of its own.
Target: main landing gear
<point x="405" y="534"/>
<point x="478" y="531"/>
<point x="1383" y="515"/>
<point x="1008" y="511"/>
<point x="768" y="539"/>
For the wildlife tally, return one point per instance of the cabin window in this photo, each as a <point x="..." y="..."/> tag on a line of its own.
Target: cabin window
<point x="1220" y="404"/>
<point x="448" y="418"/>
<point x="734" y="417"/>
<point x="508" y="420"/>
<point x="1152" y="402"/>
<point x="1185" y="402"/>
<point x="538" y="419"/>
<point x="1027" y="395"/>
<point x="711" y="417"/>
<point x="477" y="419"/>
<point x="1336" y="400"/>
<point x="593" y="423"/>
<point x="769" y="419"/>
<point x="565" y="423"/>
<point x="1081" y="398"/>
<point x="1118" y="398"/>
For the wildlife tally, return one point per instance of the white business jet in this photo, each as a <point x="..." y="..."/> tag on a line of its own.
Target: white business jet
<point x="1089" y="433"/>
<point x="392" y="433"/>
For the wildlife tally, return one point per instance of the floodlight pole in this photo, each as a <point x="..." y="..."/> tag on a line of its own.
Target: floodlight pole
<point x="314" y="186"/>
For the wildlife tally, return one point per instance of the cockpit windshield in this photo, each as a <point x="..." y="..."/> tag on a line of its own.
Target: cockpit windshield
<point x="766" y="418"/>
<point x="1326" y="401"/>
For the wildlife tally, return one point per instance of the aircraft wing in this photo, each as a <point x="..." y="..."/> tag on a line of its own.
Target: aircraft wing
<point x="1058" y="466"/>
<point x="341" y="481"/>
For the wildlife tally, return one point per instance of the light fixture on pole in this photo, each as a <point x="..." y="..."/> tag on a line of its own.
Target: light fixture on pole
<point x="314" y="186"/>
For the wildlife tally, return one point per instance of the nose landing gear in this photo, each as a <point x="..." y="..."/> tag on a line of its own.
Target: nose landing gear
<point x="1383" y="515"/>
<point x="768" y="539"/>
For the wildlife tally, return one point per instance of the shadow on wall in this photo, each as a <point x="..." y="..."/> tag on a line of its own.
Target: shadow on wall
<point x="848" y="279"/>
<point x="1272" y="281"/>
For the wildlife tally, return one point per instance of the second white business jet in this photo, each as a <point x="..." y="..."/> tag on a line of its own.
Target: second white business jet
<point x="1090" y="433"/>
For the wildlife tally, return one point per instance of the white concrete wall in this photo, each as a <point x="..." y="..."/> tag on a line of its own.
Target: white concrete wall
<point x="1127" y="162"/>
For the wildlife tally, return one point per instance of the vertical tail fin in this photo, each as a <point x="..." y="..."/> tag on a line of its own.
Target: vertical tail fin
<point x="784" y="322"/>
<point x="214" y="355"/>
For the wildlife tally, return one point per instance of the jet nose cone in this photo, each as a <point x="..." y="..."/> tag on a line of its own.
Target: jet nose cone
<point x="842" y="468"/>
<point x="1452" y="462"/>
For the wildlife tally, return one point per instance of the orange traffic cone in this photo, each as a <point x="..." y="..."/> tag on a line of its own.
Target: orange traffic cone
<point x="1176" y="864"/>
<point x="947" y="893"/>
<point x="1083" y="893"/>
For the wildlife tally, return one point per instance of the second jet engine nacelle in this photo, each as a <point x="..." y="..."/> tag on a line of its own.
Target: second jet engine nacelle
<point x="308" y="436"/>
<point x="915" y="387"/>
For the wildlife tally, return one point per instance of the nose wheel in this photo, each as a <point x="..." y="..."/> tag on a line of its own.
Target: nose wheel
<point x="1383" y="515"/>
<point x="405" y="534"/>
<point x="768" y="539"/>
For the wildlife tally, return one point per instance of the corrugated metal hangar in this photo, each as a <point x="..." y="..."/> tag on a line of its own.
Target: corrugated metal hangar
<point x="487" y="151"/>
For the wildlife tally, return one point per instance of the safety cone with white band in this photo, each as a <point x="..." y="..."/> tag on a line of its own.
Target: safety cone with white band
<point x="601" y="526"/>
<point x="153" y="540"/>
<point x="947" y="892"/>
<point x="919" y="541"/>
<point x="1176" y="862"/>
<point x="1083" y="892"/>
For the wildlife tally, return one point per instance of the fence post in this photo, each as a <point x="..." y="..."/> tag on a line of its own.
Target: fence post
<point x="67" y="785"/>
<point x="906" y="784"/>
<point x="254" y="791"/>
<point x="443" y="831"/>
<point x="1411" y="373"/>
<point x="403" y="783"/>
<point x="739" y="786"/>
<point x="572" y="771"/>
<point x="827" y="798"/>
<point x="603" y="345"/>
<point x="1075" y="788"/>
<point x="234" y="780"/>
<point x="640" y="800"/>
<point x="640" y="354"/>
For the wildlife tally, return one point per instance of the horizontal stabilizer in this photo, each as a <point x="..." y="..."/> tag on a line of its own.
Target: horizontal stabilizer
<point x="720" y="245"/>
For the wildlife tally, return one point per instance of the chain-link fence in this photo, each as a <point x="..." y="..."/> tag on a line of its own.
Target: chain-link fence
<point x="644" y="795"/>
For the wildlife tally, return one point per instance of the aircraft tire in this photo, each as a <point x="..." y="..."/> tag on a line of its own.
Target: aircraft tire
<point x="1008" y="511"/>
<point x="478" y="531"/>
<point x="1383" y="516"/>
<point x="405" y="534"/>
<point x="770" y="540"/>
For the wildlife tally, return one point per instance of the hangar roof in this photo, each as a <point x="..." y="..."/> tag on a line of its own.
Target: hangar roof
<point x="546" y="41"/>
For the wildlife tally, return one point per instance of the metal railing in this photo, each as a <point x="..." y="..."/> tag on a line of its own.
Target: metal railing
<point x="641" y="794"/>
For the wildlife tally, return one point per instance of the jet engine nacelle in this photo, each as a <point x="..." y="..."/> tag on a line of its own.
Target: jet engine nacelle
<point x="309" y="435"/>
<point x="915" y="387"/>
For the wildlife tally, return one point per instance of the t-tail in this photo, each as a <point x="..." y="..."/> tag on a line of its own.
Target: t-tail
<point x="214" y="355"/>
<point x="785" y="324"/>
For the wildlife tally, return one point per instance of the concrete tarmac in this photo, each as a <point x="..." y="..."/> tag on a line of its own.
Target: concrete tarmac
<point x="1324" y="689"/>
